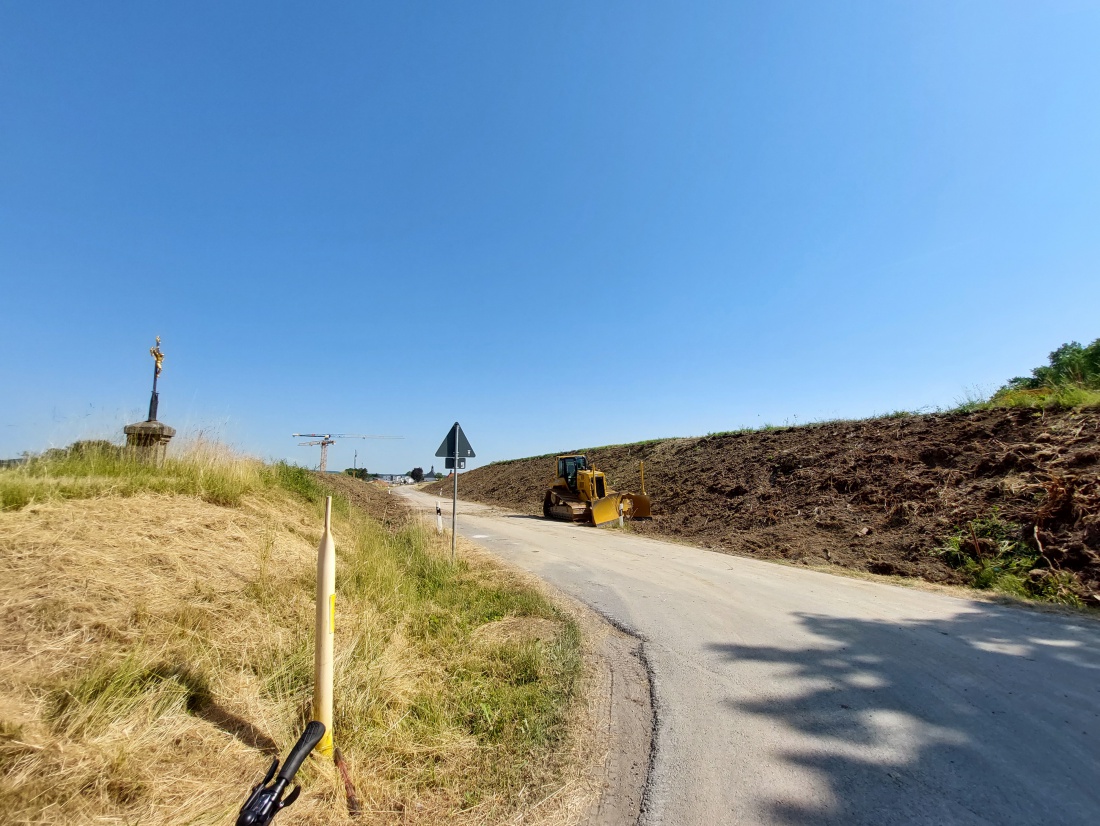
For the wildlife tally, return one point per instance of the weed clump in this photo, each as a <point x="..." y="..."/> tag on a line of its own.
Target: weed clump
<point x="996" y="555"/>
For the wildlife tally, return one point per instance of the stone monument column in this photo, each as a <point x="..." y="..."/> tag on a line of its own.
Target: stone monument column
<point x="148" y="440"/>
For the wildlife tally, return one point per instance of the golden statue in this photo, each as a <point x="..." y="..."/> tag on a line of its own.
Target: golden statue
<point x="158" y="355"/>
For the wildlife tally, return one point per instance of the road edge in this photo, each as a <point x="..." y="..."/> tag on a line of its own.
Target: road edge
<point x="623" y="689"/>
<point x="617" y="703"/>
<point x="616" y="706"/>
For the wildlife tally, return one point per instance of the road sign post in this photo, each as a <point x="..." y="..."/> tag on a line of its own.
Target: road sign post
<point x="455" y="449"/>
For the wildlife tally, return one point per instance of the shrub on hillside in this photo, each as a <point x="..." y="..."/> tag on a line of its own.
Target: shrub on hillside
<point x="1071" y="365"/>
<point x="1071" y="379"/>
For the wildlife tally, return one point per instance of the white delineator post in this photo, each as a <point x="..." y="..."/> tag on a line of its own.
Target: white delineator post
<point x="438" y="518"/>
<point x="325" y="631"/>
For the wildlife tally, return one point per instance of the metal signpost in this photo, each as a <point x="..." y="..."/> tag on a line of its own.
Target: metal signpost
<point x="455" y="449"/>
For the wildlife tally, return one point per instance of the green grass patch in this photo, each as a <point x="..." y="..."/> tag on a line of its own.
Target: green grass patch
<point x="512" y="697"/>
<point x="1046" y="398"/>
<point x="98" y="468"/>
<point x="297" y="480"/>
<point x="995" y="555"/>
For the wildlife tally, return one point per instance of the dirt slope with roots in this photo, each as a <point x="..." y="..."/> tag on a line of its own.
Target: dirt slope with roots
<point x="879" y="495"/>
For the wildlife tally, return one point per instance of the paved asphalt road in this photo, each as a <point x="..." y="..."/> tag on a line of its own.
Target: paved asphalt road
<point x="786" y="696"/>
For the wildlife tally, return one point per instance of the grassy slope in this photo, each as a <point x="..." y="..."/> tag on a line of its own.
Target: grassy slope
<point x="157" y="641"/>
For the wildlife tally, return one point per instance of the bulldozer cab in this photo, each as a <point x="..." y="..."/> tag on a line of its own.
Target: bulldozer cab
<point x="568" y="467"/>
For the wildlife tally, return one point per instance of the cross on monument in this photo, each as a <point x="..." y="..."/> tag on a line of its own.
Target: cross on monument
<point x="148" y="440"/>
<point x="158" y="360"/>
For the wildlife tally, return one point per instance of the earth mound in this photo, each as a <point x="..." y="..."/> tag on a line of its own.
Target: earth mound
<point x="879" y="495"/>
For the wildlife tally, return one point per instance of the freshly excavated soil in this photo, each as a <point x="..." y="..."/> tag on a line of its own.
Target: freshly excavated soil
<point x="879" y="495"/>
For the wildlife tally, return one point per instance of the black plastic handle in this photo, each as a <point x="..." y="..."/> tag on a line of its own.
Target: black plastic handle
<point x="310" y="738"/>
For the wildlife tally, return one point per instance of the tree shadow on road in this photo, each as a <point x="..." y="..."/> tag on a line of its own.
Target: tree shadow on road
<point x="992" y="716"/>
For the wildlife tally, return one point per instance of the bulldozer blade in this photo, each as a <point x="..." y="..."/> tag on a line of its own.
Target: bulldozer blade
<point x="606" y="510"/>
<point x="637" y="506"/>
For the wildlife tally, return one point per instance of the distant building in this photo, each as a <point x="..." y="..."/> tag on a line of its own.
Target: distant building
<point x="395" y="478"/>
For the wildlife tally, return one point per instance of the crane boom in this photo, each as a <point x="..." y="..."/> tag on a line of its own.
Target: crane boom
<point x="326" y="439"/>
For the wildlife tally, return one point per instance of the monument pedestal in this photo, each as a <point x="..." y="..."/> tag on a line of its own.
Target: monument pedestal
<point x="148" y="441"/>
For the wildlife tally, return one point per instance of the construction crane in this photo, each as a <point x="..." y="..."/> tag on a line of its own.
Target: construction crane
<point x="326" y="439"/>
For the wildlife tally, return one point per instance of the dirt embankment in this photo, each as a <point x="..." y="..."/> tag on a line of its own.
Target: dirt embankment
<point x="373" y="498"/>
<point x="878" y="495"/>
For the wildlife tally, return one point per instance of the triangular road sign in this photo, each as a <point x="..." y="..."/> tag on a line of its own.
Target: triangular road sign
<point x="455" y="444"/>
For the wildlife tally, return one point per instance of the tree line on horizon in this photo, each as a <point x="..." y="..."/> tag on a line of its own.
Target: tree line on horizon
<point x="416" y="474"/>
<point x="1071" y="365"/>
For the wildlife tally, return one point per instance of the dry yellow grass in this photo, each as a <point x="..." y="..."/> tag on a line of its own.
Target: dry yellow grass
<point x="161" y="580"/>
<point x="156" y="651"/>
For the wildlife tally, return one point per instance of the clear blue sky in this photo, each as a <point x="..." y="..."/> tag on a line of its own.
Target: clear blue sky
<point x="561" y="223"/>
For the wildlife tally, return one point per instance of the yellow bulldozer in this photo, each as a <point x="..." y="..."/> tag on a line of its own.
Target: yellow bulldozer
<point x="580" y="494"/>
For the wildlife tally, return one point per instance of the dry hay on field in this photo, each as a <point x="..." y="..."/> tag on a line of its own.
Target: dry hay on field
<point x="204" y="614"/>
<point x="78" y="575"/>
<point x="158" y="585"/>
<point x="518" y="630"/>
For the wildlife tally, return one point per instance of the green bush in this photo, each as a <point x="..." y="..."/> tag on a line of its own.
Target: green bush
<point x="1070" y="379"/>
<point x="1071" y="365"/>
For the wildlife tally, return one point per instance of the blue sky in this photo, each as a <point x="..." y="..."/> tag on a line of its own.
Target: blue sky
<point x="562" y="224"/>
